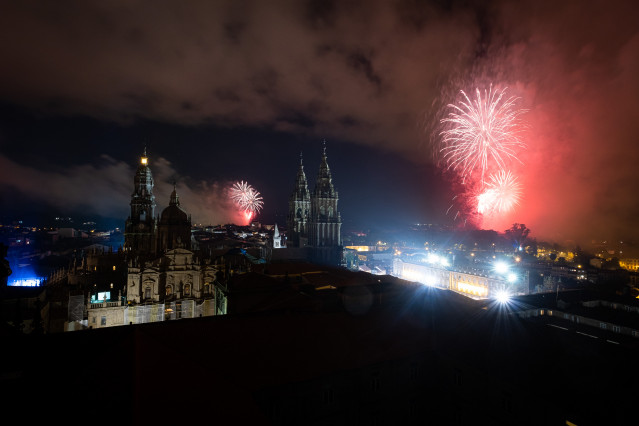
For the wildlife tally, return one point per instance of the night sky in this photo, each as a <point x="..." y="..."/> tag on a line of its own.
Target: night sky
<point x="235" y="90"/>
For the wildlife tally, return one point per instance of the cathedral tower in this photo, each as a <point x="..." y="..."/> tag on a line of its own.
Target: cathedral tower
<point x="299" y="208"/>
<point x="326" y="222"/>
<point x="141" y="225"/>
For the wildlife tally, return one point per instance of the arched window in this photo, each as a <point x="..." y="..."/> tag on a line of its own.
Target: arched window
<point x="207" y="288"/>
<point x="169" y="290"/>
<point x="187" y="290"/>
<point x="147" y="293"/>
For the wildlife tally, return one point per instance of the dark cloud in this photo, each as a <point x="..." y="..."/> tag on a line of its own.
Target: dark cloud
<point x="365" y="72"/>
<point x="105" y="189"/>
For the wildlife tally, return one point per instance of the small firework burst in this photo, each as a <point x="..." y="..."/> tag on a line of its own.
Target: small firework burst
<point x="501" y="194"/>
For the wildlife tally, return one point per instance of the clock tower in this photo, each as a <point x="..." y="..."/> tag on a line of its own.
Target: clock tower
<point x="141" y="225"/>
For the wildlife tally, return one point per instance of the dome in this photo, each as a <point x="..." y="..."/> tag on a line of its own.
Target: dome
<point x="173" y="214"/>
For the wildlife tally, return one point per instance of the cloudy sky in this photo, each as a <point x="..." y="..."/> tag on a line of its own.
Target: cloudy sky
<point x="230" y="90"/>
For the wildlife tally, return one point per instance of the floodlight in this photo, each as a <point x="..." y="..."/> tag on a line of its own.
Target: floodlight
<point x="502" y="296"/>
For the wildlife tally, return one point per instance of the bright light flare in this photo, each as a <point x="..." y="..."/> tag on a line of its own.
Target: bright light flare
<point x="501" y="267"/>
<point x="512" y="278"/>
<point x="502" y="296"/>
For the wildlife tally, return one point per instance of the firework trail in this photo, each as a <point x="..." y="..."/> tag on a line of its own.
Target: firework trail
<point x="502" y="193"/>
<point x="481" y="133"/>
<point x="247" y="199"/>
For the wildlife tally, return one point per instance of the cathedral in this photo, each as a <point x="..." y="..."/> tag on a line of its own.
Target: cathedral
<point x="313" y="220"/>
<point x="167" y="278"/>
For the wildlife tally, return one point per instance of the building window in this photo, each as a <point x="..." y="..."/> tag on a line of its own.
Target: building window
<point x="187" y="290"/>
<point x="602" y="325"/>
<point x="329" y="396"/>
<point x="207" y="288"/>
<point x="93" y="320"/>
<point x="413" y="373"/>
<point x="111" y="285"/>
<point x="147" y="293"/>
<point x="375" y="382"/>
<point x="103" y="321"/>
<point x="169" y="290"/>
<point x="506" y="402"/>
<point x="616" y="329"/>
<point x="114" y="267"/>
<point x="457" y="377"/>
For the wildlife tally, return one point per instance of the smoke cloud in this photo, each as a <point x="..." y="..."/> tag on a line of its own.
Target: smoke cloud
<point x="374" y="73"/>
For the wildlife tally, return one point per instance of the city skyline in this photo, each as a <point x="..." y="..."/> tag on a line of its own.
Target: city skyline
<point x="221" y="94"/>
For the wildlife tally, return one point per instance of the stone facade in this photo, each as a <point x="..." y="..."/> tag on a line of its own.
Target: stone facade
<point x="313" y="218"/>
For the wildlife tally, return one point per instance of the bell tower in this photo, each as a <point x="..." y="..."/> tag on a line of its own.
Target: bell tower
<point x="326" y="221"/>
<point x="299" y="209"/>
<point x="140" y="227"/>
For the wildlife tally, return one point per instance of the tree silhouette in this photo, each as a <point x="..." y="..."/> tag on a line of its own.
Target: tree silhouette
<point x="517" y="235"/>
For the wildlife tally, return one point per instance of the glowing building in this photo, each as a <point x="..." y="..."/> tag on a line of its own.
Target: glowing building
<point x="471" y="284"/>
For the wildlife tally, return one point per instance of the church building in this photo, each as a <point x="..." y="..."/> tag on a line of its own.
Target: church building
<point x="166" y="278"/>
<point x="313" y="219"/>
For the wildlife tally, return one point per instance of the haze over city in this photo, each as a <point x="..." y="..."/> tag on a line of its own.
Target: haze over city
<point x="228" y="91"/>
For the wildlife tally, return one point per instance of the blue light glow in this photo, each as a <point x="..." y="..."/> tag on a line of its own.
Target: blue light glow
<point x="26" y="282"/>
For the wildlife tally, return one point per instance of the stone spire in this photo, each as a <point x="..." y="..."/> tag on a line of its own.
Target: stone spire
<point x="300" y="191"/>
<point x="175" y="200"/>
<point x="299" y="205"/>
<point x="324" y="185"/>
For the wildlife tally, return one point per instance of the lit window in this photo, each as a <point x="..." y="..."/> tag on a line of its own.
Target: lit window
<point x="114" y="267"/>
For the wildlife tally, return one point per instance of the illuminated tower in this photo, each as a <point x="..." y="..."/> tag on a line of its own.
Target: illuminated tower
<point x="299" y="207"/>
<point x="326" y="222"/>
<point x="277" y="239"/>
<point x="141" y="225"/>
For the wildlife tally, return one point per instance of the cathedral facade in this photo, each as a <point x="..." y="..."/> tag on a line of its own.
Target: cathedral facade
<point x="313" y="219"/>
<point x="166" y="278"/>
